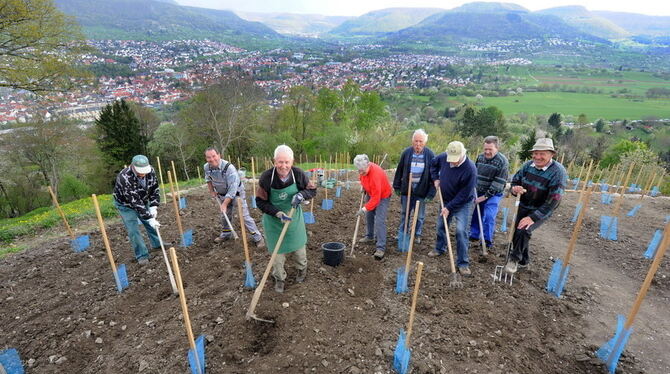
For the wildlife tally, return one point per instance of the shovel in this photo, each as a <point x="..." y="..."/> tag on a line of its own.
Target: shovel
<point x="196" y="355"/>
<point x="249" y="280"/>
<point x="402" y="353"/>
<point x="403" y="240"/>
<point x="167" y="263"/>
<point x="10" y="362"/>
<point x="80" y="243"/>
<point x="120" y="276"/>
<point x="186" y="237"/>
<point x="610" y="352"/>
<point x="401" y="282"/>
<point x="560" y="269"/>
<point x="257" y="294"/>
<point x="358" y="221"/>
<point x="455" y="277"/>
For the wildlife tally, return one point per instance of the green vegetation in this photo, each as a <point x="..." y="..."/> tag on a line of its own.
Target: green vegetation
<point x="382" y="21"/>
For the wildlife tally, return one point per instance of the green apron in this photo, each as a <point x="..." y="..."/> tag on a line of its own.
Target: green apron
<point x="296" y="235"/>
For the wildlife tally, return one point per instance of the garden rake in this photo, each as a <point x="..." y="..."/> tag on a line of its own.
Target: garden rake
<point x="611" y="351"/>
<point x="402" y="352"/>
<point x="499" y="274"/>
<point x="401" y="281"/>
<point x="79" y="243"/>
<point x="257" y="294"/>
<point x="455" y="276"/>
<point x="249" y="280"/>
<point x="403" y="239"/>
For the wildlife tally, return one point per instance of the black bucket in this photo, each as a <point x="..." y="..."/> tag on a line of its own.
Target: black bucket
<point x="333" y="253"/>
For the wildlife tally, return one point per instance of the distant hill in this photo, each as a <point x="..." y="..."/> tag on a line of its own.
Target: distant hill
<point x="162" y="20"/>
<point x="296" y="24"/>
<point x="382" y="21"/>
<point x="588" y="22"/>
<point x="638" y="24"/>
<point x="488" y="22"/>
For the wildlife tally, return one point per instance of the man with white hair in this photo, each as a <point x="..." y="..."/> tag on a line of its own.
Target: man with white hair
<point x="378" y="195"/>
<point x="415" y="160"/>
<point x="456" y="177"/>
<point x="541" y="183"/>
<point x="281" y="188"/>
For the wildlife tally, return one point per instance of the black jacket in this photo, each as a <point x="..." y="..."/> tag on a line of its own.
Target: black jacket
<point x="129" y="192"/>
<point x="305" y="187"/>
<point x="425" y="188"/>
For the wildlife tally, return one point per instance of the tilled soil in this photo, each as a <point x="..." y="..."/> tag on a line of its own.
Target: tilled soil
<point x="61" y="306"/>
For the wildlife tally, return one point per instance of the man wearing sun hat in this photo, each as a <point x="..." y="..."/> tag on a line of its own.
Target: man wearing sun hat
<point x="136" y="196"/>
<point x="541" y="182"/>
<point x="455" y="177"/>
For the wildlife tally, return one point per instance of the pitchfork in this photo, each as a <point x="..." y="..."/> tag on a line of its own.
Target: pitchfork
<point x="499" y="273"/>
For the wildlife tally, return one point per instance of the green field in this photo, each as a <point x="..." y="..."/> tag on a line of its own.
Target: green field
<point x="594" y="106"/>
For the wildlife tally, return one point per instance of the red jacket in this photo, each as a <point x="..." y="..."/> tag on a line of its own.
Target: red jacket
<point x="375" y="184"/>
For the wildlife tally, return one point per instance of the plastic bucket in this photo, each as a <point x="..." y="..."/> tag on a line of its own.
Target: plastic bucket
<point x="333" y="253"/>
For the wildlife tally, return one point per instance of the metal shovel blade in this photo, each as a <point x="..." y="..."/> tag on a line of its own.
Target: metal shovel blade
<point x="122" y="277"/>
<point x="610" y="352"/>
<point x="254" y="317"/>
<point x="81" y="243"/>
<point x="401" y="355"/>
<point x="10" y="362"/>
<point x="196" y="360"/>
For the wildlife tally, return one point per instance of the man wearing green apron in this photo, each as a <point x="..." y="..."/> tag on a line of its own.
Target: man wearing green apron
<point x="282" y="188"/>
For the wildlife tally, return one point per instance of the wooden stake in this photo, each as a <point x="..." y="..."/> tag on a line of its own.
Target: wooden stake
<point x="199" y="175"/>
<point x="176" y="181"/>
<point x="411" y="237"/>
<point x="639" y="174"/>
<point x="160" y="174"/>
<point x="358" y="221"/>
<point x="60" y="212"/>
<point x="415" y="296"/>
<point x="619" y="201"/>
<point x="649" y="186"/>
<point x="576" y="230"/>
<point x="184" y="307"/>
<point x="588" y="173"/>
<point x="175" y="204"/>
<point x="253" y="177"/>
<point x="108" y="248"/>
<point x="257" y="294"/>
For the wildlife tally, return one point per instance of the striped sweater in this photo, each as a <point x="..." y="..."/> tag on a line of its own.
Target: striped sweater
<point x="544" y="188"/>
<point x="491" y="175"/>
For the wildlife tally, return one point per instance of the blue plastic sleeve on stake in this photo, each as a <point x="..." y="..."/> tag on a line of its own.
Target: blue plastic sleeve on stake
<point x="253" y="203"/>
<point x="555" y="273"/>
<point x="401" y="280"/>
<point x="401" y="355"/>
<point x="200" y="349"/>
<point x="604" y="224"/>
<point x="10" y="361"/>
<point x="122" y="276"/>
<point x="667" y="219"/>
<point x="633" y="211"/>
<point x="575" y="183"/>
<point x="81" y="243"/>
<point x="187" y="238"/>
<point x="578" y="208"/>
<point x="589" y="184"/>
<point x="653" y="245"/>
<point x="249" y="280"/>
<point x="338" y="191"/>
<point x="182" y="203"/>
<point x="611" y="351"/>
<point x="612" y="229"/>
<point x="503" y="225"/>
<point x="561" y="281"/>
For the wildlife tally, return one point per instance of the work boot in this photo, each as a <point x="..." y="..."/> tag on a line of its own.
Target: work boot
<point x="365" y="239"/>
<point x="302" y="274"/>
<point x="525" y="266"/>
<point x="222" y="238"/>
<point x="379" y="254"/>
<point x="465" y="271"/>
<point x="434" y="253"/>
<point x="260" y="243"/>
<point x="511" y="266"/>
<point x="279" y="286"/>
<point x="143" y="261"/>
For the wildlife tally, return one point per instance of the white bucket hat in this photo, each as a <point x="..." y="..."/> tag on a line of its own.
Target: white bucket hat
<point x="544" y="144"/>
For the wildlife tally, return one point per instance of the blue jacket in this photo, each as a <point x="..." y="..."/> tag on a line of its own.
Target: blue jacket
<point x="425" y="187"/>
<point x="457" y="185"/>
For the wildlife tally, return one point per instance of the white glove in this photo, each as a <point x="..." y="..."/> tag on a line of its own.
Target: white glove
<point x="283" y="217"/>
<point x="153" y="223"/>
<point x="153" y="210"/>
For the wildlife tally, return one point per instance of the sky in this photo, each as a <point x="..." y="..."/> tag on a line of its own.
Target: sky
<point x="359" y="7"/>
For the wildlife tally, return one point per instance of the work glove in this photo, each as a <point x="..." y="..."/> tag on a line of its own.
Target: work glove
<point x="297" y="199"/>
<point x="283" y="217"/>
<point x="154" y="211"/>
<point x="361" y="212"/>
<point x="153" y="223"/>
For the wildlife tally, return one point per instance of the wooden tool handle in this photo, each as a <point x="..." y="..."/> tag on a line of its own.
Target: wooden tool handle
<point x="182" y="300"/>
<point x="411" y="237"/>
<point x="577" y="229"/>
<point x="358" y="221"/>
<point x="160" y="174"/>
<point x="60" y="212"/>
<point x="446" y="233"/>
<point x="175" y="205"/>
<point x="167" y="263"/>
<point x="244" y="232"/>
<point x="108" y="248"/>
<point x="259" y="289"/>
<point x="650" y="275"/>
<point x="586" y="182"/>
<point x="417" y="282"/>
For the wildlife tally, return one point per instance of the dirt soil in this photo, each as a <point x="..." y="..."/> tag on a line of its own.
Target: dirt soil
<point x="61" y="310"/>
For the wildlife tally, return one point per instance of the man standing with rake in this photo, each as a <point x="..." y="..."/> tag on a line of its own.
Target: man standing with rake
<point x="491" y="179"/>
<point x="225" y="185"/>
<point x="543" y="181"/>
